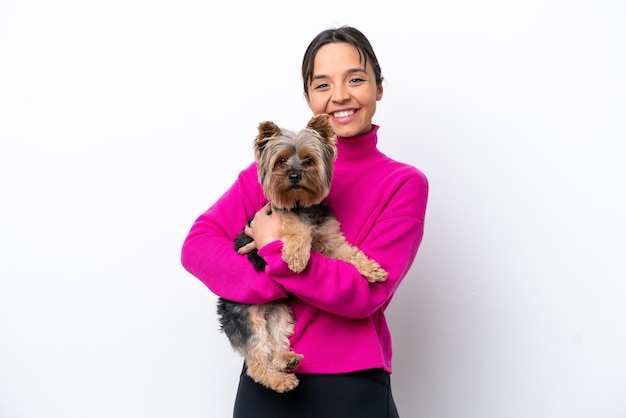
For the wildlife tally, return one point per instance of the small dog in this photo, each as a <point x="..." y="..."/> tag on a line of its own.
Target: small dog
<point x="295" y="171"/>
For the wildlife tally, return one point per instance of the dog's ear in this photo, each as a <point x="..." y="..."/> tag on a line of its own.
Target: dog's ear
<point x="321" y="125"/>
<point x="267" y="130"/>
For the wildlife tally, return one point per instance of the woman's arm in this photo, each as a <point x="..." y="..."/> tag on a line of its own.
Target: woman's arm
<point x="392" y="237"/>
<point x="208" y="250"/>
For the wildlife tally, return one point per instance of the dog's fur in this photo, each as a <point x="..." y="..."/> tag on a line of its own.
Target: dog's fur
<point x="295" y="171"/>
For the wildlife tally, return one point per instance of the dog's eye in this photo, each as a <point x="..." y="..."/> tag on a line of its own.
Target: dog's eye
<point x="281" y="161"/>
<point x="308" y="161"/>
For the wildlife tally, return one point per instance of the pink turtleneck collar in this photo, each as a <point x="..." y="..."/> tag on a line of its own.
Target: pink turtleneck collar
<point x="358" y="147"/>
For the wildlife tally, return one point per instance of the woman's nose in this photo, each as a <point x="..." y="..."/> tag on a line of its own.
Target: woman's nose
<point x="340" y="94"/>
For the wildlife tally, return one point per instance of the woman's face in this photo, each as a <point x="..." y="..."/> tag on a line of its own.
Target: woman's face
<point x="343" y="88"/>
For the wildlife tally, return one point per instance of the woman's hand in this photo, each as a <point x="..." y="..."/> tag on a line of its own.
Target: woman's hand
<point x="266" y="227"/>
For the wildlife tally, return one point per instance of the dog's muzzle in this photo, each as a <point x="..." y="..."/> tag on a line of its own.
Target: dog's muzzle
<point x="295" y="178"/>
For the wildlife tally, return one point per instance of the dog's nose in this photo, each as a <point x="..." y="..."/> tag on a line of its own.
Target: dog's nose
<point x="295" y="178"/>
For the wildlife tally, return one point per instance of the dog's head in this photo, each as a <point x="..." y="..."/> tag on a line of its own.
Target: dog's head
<point x="295" y="168"/>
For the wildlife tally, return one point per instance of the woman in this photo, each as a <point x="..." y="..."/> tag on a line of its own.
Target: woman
<point x="340" y="317"/>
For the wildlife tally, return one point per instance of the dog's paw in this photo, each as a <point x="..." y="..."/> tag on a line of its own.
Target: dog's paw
<point x="297" y="262"/>
<point x="274" y="379"/>
<point x="287" y="361"/>
<point x="287" y="382"/>
<point x="290" y="362"/>
<point x="375" y="274"/>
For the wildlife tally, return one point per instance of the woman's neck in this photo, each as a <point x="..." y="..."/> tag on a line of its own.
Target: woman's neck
<point x="357" y="147"/>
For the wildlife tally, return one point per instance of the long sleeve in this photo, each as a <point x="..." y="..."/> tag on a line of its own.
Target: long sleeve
<point x="208" y="250"/>
<point x="386" y="223"/>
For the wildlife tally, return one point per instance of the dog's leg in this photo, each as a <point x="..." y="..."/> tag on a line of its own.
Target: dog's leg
<point x="296" y="242"/>
<point x="261" y="350"/>
<point x="332" y="243"/>
<point x="369" y="269"/>
<point x="280" y="324"/>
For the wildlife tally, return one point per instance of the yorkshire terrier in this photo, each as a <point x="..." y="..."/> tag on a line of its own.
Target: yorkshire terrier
<point x="295" y="171"/>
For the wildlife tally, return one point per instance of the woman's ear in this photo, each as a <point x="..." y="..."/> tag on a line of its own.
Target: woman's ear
<point x="379" y="90"/>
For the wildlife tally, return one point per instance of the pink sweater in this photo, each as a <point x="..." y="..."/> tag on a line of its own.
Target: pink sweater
<point x="340" y="320"/>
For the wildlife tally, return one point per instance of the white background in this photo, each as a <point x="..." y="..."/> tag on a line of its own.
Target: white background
<point x="122" y="120"/>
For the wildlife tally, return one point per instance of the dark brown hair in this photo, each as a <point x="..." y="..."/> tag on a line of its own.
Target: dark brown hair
<point x="346" y="34"/>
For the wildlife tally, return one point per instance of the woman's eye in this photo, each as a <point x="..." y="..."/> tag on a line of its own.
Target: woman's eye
<point x="320" y="86"/>
<point x="356" y="80"/>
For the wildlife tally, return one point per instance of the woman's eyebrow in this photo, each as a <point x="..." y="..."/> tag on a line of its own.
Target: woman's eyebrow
<point x="348" y="71"/>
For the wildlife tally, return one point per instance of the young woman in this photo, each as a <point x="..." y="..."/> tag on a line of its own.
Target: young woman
<point x="340" y="317"/>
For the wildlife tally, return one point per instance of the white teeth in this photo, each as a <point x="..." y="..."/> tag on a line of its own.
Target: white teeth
<point x="343" y="114"/>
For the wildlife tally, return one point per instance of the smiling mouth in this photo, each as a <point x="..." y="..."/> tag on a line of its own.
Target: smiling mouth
<point x="343" y="113"/>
